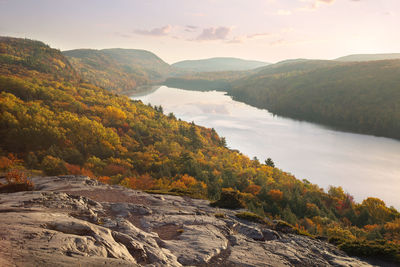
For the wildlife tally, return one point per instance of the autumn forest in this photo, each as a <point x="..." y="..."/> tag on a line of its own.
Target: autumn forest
<point x="56" y="119"/>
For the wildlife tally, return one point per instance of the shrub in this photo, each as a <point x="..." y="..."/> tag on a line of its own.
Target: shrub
<point x="340" y="233"/>
<point x="176" y="192"/>
<point x="113" y="169"/>
<point x="53" y="166"/>
<point x="77" y="170"/>
<point x="253" y="189"/>
<point x="252" y="217"/>
<point x="16" y="181"/>
<point x="6" y="163"/>
<point x="104" y="179"/>
<point x="275" y="194"/>
<point x="143" y="182"/>
<point x="285" y="227"/>
<point x="230" y="199"/>
<point x="378" y="249"/>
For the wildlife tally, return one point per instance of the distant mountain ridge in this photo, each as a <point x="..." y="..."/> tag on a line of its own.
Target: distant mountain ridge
<point x="118" y="69"/>
<point x="368" y="57"/>
<point x="219" y="64"/>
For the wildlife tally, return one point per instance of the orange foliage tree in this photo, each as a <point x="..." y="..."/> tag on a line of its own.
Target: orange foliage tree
<point x="276" y="194"/>
<point x="143" y="182"/>
<point x="253" y="189"/>
<point x="77" y="170"/>
<point x="8" y="162"/>
<point x="16" y="181"/>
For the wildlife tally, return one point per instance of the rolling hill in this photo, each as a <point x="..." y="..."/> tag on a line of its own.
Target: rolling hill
<point x="118" y="69"/>
<point x="218" y="64"/>
<point x="368" y="57"/>
<point x="355" y="96"/>
<point x="27" y="57"/>
<point x="225" y="80"/>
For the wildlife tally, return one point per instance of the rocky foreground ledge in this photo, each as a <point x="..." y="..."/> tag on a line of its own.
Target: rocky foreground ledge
<point x="76" y="221"/>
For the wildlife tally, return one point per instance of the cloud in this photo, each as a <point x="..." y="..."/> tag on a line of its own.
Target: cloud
<point x="388" y="13"/>
<point x="214" y="33"/>
<point x="283" y="12"/>
<point x="162" y="31"/>
<point x="258" y="35"/>
<point x="315" y="4"/>
<point x="278" y="42"/>
<point x="225" y="34"/>
<point x="239" y="39"/>
<point x="191" y="28"/>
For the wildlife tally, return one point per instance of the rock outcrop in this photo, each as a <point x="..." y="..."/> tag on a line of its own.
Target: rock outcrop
<point x="76" y="221"/>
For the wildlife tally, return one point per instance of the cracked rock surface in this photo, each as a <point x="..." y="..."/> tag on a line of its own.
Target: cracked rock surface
<point x="76" y="221"/>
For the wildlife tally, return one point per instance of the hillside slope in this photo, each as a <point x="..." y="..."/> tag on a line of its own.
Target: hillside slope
<point x="369" y="57"/>
<point x="359" y="96"/>
<point x="54" y="126"/>
<point x="118" y="69"/>
<point x="225" y="80"/>
<point x="28" y="57"/>
<point x="206" y="81"/>
<point x="219" y="64"/>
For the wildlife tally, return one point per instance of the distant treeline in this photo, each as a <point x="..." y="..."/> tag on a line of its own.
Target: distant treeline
<point x="361" y="97"/>
<point x="198" y="84"/>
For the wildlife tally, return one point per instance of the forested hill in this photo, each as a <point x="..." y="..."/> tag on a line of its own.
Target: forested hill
<point x="206" y="81"/>
<point x="119" y="69"/>
<point x="369" y="57"/>
<point x="358" y="96"/>
<point x="219" y="64"/>
<point x="50" y="124"/>
<point x="225" y="80"/>
<point x="27" y="57"/>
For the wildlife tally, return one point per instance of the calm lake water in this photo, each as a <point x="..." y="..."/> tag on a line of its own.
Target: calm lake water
<point x="363" y="165"/>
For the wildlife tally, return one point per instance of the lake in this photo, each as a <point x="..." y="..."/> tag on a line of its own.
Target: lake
<point x="363" y="165"/>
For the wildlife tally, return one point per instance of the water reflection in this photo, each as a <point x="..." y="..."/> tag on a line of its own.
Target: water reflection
<point x="363" y="165"/>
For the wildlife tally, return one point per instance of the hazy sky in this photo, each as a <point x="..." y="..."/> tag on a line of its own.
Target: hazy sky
<point x="269" y="30"/>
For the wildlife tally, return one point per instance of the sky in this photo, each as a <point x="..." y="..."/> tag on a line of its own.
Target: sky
<point x="267" y="30"/>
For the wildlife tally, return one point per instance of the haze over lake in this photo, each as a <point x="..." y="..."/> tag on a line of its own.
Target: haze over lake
<point x="363" y="165"/>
